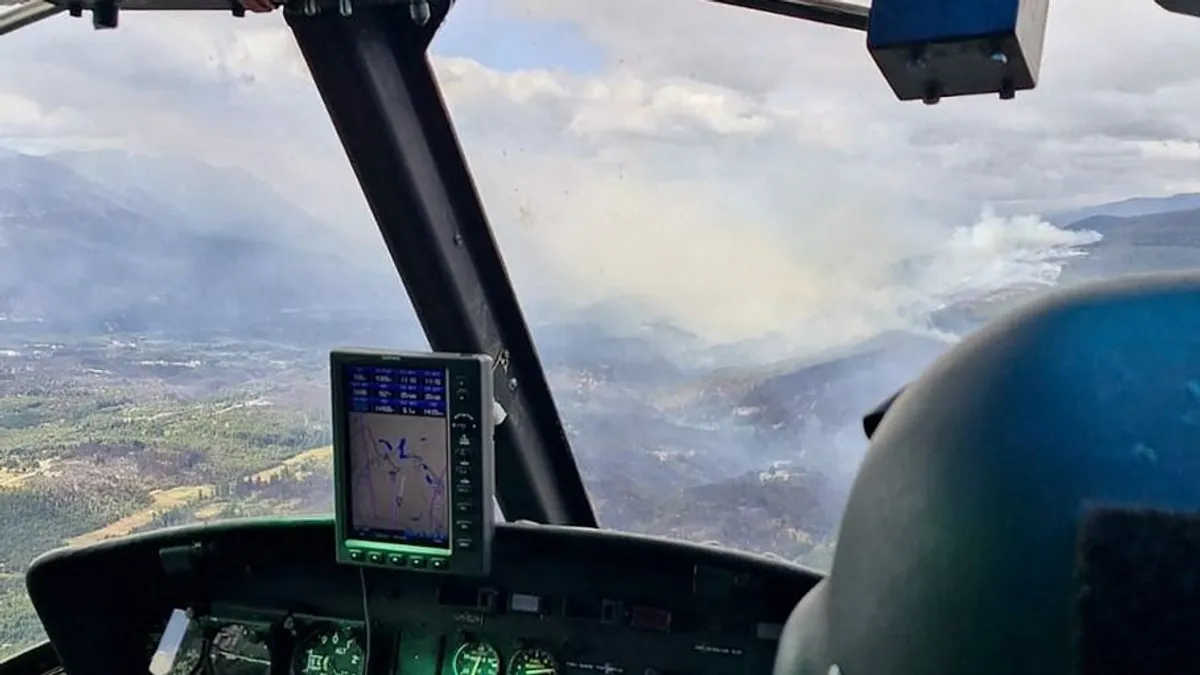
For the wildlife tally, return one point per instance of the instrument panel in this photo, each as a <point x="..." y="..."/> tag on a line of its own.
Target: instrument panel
<point x="269" y="598"/>
<point x="313" y="646"/>
<point x="308" y="646"/>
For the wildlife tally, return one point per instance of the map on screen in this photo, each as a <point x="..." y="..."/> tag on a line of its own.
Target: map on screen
<point x="398" y="476"/>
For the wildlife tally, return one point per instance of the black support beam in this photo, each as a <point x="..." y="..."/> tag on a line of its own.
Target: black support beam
<point x="376" y="82"/>
<point x="831" y="12"/>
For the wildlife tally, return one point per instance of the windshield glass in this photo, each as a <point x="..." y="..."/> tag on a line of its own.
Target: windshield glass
<point x="730" y="242"/>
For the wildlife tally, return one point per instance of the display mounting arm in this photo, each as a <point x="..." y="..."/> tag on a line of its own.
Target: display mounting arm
<point x="373" y="75"/>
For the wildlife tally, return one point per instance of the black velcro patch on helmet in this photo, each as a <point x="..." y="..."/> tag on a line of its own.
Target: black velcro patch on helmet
<point x="1139" y="593"/>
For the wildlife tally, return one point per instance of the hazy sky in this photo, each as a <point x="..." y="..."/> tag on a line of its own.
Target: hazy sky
<point x="740" y="171"/>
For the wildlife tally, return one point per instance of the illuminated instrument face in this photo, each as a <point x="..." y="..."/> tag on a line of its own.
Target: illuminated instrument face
<point x="532" y="662"/>
<point x="329" y="651"/>
<point x="476" y="658"/>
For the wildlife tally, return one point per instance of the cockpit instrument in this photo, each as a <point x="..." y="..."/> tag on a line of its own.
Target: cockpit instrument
<point x="330" y="650"/>
<point x="533" y="661"/>
<point x="237" y="649"/>
<point x="413" y="460"/>
<point x="476" y="658"/>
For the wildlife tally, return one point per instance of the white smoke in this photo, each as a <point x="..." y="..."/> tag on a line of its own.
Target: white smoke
<point x="993" y="259"/>
<point x="840" y="274"/>
<point x="996" y="254"/>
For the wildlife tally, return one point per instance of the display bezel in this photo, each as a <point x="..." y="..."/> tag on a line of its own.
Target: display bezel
<point x="474" y="372"/>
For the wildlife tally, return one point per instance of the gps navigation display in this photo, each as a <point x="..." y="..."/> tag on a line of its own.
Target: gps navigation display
<point x="413" y="460"/>
<point x="398" y="462"/>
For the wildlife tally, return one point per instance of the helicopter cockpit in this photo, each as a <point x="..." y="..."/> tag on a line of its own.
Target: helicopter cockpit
<point x="412" y="574"/>
<point x="1087" y="389"/>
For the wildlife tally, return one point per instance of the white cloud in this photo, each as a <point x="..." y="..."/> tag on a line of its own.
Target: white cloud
<point x="775" y="145"/>
<point x="27" y="119"/>
<point x="233" y="91"/>
<point x="746" y="171"/>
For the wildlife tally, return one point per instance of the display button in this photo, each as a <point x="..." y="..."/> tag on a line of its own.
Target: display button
<point x="463" y="488"/>
<point x="464" y="543"/>
<point x="417" y="562"/>
<point x="397" y="560"/>
<point x="356" y="555"/>
<point x="440" y="563"/>
<point x="376" y="558"/>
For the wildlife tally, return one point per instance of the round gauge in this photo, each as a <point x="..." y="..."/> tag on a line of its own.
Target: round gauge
<point x="239" y="650"/>
<point x="330" y="651"/>
<point x="532" y="662"/>
<point x="476" y="658"/>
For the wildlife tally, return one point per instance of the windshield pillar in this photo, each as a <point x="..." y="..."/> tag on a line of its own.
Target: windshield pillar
<point x="376" y="82"/>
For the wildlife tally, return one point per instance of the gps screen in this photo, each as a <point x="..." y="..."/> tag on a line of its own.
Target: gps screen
<point x="399" y="455"/>
<point x="414" y="460"/>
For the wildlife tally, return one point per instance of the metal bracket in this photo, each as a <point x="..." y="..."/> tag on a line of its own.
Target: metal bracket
<point x="426" y="14"/>
<point x="422" y="13"/>
<point x="27" y="13"/>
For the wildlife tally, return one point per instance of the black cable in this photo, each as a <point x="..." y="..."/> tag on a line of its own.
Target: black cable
<point x="362" y="578"/>
<point x="204" y="664"/>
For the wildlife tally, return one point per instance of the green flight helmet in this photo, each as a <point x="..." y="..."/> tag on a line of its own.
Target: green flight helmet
<point x="1029" y="504"/>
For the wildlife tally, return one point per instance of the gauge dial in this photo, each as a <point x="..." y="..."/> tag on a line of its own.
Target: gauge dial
<point x="532" y="662"/>
<point x="239" y="650"/>
<point x="330" y="651"/>
<point x="476" y="658"/>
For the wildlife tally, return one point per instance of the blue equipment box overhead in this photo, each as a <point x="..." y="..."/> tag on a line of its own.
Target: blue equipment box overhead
<point x="930" y="49"/>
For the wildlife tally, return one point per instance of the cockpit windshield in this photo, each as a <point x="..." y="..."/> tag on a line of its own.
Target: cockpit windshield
<point x="729" y="241"/>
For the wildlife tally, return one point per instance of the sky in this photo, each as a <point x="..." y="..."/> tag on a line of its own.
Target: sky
<point x="737" y="172"/>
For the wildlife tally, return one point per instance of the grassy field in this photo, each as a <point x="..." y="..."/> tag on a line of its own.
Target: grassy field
<point x="202" y="497"/>
<point x="105" y="437"/>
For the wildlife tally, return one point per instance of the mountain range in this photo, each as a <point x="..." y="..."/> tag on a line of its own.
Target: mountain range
<point x="1129" y="208"/>
<point x="675" y="436"/>
<point x="107" y="241"/>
